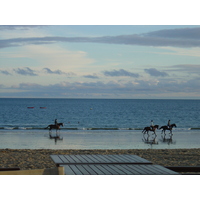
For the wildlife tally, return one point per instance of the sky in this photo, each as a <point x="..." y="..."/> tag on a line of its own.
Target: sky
<point x="100" y="61"/>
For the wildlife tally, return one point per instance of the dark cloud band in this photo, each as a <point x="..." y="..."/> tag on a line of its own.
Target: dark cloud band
<point x="174" y="37"/>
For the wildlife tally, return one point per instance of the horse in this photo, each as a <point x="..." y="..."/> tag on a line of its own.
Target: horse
<point x="164" y="128"/>
<point x="147" y="129"/>
<point x="54" y="126"/>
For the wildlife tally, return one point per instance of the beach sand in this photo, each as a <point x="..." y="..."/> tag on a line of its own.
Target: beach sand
<point x="40" y="158"/>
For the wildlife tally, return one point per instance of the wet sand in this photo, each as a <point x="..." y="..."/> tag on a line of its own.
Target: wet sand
<point x="40" y="158"/>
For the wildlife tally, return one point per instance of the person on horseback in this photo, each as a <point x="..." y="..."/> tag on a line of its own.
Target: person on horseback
<point x="152" y="125"/>
<point x="168" y="124"/>
<point x="56" y="122"/>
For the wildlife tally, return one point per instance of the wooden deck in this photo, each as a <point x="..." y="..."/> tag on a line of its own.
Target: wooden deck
<point x="98" y="159"/>
<point x="109" y="165"/>
<point x="117" y="169"/>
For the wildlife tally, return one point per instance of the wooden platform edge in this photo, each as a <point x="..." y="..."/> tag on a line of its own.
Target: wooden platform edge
<point x="183" y="168"/>
<point x="106" y="163"/>
<point x="9" y="168"/>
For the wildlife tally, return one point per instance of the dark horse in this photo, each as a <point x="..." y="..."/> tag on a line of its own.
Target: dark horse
<point x="54" y="126"/>
<point x="147" y="129"/>
<point x="164" y="128"/>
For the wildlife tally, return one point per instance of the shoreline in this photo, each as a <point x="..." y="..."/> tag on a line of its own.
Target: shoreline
<point x="40" y="158"/>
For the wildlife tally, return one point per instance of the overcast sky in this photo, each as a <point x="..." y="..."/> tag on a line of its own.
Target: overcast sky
<point x="100" y="61"/>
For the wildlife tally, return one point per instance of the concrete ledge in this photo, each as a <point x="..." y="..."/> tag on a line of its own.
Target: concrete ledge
<point x="47" y="171"/>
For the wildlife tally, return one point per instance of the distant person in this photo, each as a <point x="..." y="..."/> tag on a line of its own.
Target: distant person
<point x="168" y="124"/>
<point x="56" y="122"/>
<point x="152" y="125"/>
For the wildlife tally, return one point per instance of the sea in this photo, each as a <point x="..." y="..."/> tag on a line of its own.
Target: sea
<point x="98" y="123"/>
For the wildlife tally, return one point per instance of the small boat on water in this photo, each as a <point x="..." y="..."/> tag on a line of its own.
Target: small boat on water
<point x="30" y="107"/>
<point x="42" y="107"/>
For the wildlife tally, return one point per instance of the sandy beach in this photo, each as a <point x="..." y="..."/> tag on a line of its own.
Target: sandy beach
<point x="40" y="158"/>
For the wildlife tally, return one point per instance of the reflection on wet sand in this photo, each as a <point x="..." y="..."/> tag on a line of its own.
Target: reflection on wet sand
<point x="168" y="140"/>
<point x="149" y="140"/>
<point x="56" y="138"/>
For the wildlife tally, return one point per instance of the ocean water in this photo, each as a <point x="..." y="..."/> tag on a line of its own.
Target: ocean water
<point x="97" y="123"/>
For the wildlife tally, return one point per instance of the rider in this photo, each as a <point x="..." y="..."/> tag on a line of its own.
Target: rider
<point x="168" y="124"/>
<point x="151" y="126"/>
<point x="56" y="122"/>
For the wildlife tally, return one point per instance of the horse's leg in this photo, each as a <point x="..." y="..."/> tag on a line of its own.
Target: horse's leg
<point x="171" y="132"/>
<point x="164" y="132"/>
<point x="155" y="133"/>
<point x="148" y="134"/>
<point x="144" y="136"/>
<point x="50" y="132"/>
<point x="143" y="131"/>
<point x="148" y="138"/>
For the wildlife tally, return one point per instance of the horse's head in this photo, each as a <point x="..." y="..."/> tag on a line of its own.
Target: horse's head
<point x="60" y="124"/>
<point x="156" y="126"/>
<point x="173" y="125"/>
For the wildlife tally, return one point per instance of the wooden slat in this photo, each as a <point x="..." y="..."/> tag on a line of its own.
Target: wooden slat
<point x="125" y="168"/>
<point x="118" y="159"/>
<point x="68" y="170"/>
<point x="140" y="169"/>
<point x="113" y="169"/>
<point x="83" y="170"/>
<point x="118" y="169"/>
<point x="103" y="158"/>
<point x="131" y="169"/>
<point x="69" y="159"/>
<point x="155" y="170"/>
<point x="96" y="169"/>
<point x="127" y="158"/>
<point x="89" y="169"/>
<point x="75" y="170"/>
<point x="166" y="171"/>
<point x="98" y="158"/>
<point x="56" y="159"/>
<point x="89" y="158"/>
<point x="63" y="158"/>
<point x="135" y="158"/>
<point x="82" y="158"/>
<point x="104" y="169"/>
<point x="76" y="160"/>
<point x="150" y="170"/>
<point x="114" y="158"/>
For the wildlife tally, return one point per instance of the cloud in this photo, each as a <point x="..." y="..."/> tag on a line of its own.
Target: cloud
<point x="120" y="72"/>
<point x="26" y="71"/>
<point x="91" y="76"/>
<point x="53" y="72"/>
<point x="129" y="89"/>
<point x="188" y="68"/>
<point x="174" y="37"/>
<point x="155" y="72"/>
<point x="58" y="72"/>
<point x="185" y="33"/>
<point x="5" y="72"/>
<point x="19" y="27"/>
